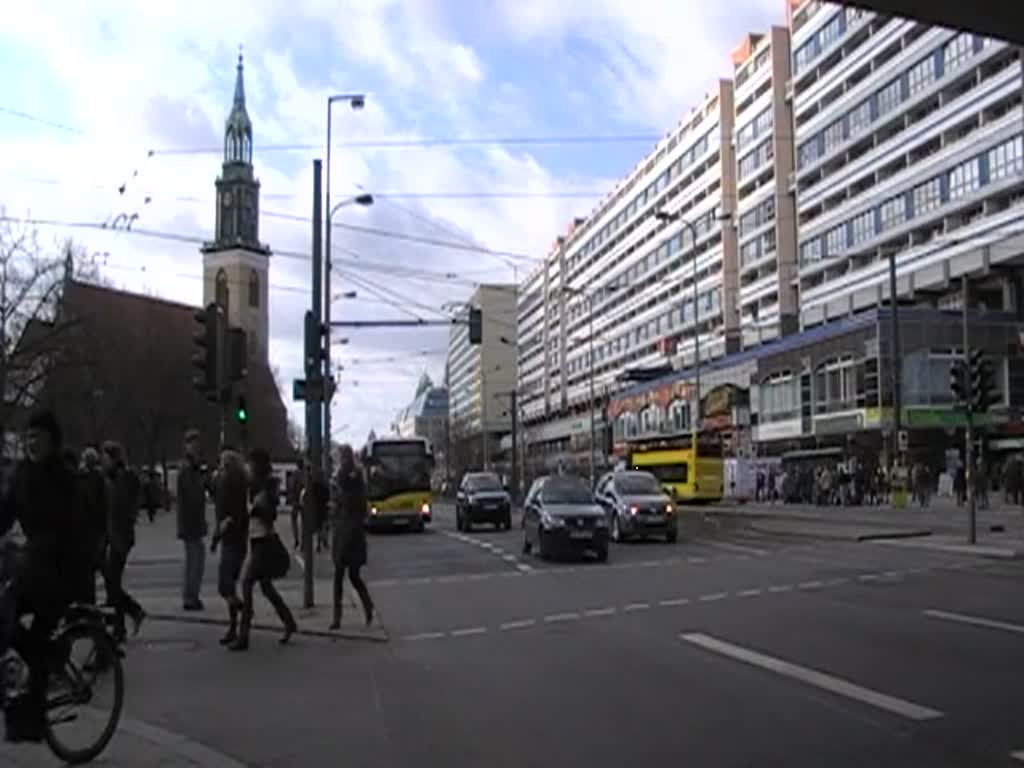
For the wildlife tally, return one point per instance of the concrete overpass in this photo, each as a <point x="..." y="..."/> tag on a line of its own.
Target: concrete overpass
<point x="1002" y="19"/>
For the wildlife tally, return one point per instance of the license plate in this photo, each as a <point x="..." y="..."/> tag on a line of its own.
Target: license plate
<point x="399" y="521"/>
<point x="581" y="534"/>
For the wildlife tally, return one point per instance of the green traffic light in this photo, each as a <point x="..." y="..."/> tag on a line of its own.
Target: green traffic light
<point x="242" y="416"/>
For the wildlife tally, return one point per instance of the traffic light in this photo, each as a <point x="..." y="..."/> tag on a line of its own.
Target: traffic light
<point x="983" y="383"/>
<point x="242" y="410"/>
<point x="238" y="346"/>
<point x="314" y="345"/>
<point x="476" y="325"/>
<point x="204" y="354"/>
<point x="958" y="382"/>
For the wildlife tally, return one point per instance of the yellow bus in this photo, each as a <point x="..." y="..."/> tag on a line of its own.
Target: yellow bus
<point x="398" y="488"/>
<point x="685" y="478"/>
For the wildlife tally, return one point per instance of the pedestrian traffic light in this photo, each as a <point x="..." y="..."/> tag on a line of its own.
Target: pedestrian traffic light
<point x="204" y="354"/>
<point x="476" y="325"/>
<point x="983" y="384"/>
<point x="241" y="410"/>
<point x="314" y="345"/>
<point x="958" y="382"/>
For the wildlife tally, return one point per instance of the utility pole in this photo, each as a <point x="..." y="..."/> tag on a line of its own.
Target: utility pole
<point x="514" y="405"/>
<point x="593" y="426"/>
<point x="897" y="381"/>
<point x="314" y="379"/>
<point x="972" y="512"/>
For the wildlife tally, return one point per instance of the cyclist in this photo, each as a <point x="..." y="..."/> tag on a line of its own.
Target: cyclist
<point x="42" y="499"/>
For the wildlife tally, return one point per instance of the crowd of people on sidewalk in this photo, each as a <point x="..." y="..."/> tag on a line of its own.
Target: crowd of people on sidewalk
<point x="77" y="513"/>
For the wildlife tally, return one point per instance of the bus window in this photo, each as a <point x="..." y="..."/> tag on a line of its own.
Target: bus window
<point x="666" y="473"/>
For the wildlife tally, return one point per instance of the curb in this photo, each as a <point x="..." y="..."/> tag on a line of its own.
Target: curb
<point x="894" y="535"/>
<point x="340" y="634"/>
<point x="976" y="550"/>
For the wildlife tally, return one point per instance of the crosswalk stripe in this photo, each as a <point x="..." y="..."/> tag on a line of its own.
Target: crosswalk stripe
<point x="813" y="677"/>
<point x="978" y="621"/>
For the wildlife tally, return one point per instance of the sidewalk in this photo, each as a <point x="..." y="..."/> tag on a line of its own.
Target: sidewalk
<point x="1000" y="530"/>
<point x="135" y="745"/>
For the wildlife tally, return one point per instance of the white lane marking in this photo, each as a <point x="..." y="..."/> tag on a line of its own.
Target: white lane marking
<point x="649" y="563"/>
<point x="524" y="568"/>
<point x="816" y="584"/>
<point x="421" y="580"/>
<point x="450" y="579"/>
<point x="425" y="636"/>
<point x="599" y="612"/>
<point x="892" y="575"/>
<point x="728" y="547"/>
<point x="509" y="558"/>
<point x="696" y="560"/>
<point x="1018" y="755"/>
<point x="636" y="607"/>
<point x="779" y="588"/>
<point x="675" y="601"/>
<point x="813" y="677"/>
<point x="837" y="581"/>
<point x="552" y="618"/>
<point x="479" y="576"/>
<point x="713" y="597"/>
<point x="520" y="624"/>
<point x="978" y="621"/>
<point x="749" y="593"/>
<point x="868" y="577"/>
<point x="468" y="631"/>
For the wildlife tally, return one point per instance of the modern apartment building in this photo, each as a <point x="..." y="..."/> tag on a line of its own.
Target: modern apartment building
<point x="765" y="215"/>
<point x="908" y="143"/>
<point x="628" y="288"/>
<point x="480" y="376"/>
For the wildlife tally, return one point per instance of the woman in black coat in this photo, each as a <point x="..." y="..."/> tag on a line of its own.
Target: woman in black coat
<point x="349" y="539"/>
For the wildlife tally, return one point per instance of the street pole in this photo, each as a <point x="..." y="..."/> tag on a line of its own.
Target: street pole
<point x="327" y="301"/>
<point x="593" y="428"/>
<point x="314" y="404"/>
<point x="483" y="411"/>
<point x="515" y="465"/>
<point x="972" y="512"/>
<point x="897" y="375"/>
<point x="696" y="351"/>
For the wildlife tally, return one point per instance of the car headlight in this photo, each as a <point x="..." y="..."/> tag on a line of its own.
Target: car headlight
<point x="550" y="521"/>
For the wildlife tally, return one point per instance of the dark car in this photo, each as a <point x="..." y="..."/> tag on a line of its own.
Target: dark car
<point x="561" y="515"/>
<point x="637" y="506"/>
<point x="482" y="499"/>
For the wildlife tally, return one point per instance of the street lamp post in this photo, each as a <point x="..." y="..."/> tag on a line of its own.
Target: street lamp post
<point x="364" y="200"/>
<point x="695" y="425"/>
<point x="356" y="101"/>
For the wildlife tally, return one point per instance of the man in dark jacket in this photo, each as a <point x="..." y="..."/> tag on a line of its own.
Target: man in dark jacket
<point x="124" y="490"/>
<point x="192" y="520"/>
<point x="41" y="498"/>
<point x="91" y="524"/>
<point x="349" y="540"/>
<point x="232" y="533"/>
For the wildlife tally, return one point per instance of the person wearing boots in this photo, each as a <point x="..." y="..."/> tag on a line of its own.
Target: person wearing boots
<point x="232" y="534"/>
<point x="124" y="495"/>
<point x="268" y="557"/>
<point x="349" y="540"/>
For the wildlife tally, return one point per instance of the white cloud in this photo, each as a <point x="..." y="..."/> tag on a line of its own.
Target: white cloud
<point x="134" y="77"/>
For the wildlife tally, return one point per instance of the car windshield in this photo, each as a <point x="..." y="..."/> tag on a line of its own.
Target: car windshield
<point x="483" y="483"/>
<point x="564" y="491"/>
<point x="639" y="483"/>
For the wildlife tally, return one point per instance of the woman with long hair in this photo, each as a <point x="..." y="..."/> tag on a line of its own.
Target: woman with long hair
<point x="268" y="558"/>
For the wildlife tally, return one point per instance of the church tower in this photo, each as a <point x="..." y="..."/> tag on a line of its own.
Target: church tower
<point x="235" y="263"/>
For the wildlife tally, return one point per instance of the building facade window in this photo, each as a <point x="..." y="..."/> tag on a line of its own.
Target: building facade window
<point x="779" y="398"/>
<point x="921" y="75"/>
<point x="957" y="51"/>
<point x="890" y="97"/>
<point x="834" y="135"/>
<point x="810" y="251"/>
<point x="964" y="179"/>
<point x="927" y="196"/>
<point x="863" y="227"/>
<point x="221" y="289"/>
<point x="835" y="241"/>
<point x="1007" y="159"/>
<point x="254" y="289"/>
<point x="893" y="212"/>
<point x="860" y="118"/>
<point x="839" y="385"/>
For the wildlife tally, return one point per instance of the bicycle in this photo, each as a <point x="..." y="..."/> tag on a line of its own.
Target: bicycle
<point x="71" y="686"/>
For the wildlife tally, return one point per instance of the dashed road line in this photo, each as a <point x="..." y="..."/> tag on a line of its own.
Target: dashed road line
<point x="742" y="549"/>
<point x="468" y="631"/>
<point x="636" y="607"/>
<point x="749" y="593"/>
<point x="696" y="560"/>
<point x="777" y="589"/>
<point x="554" y="618"/>
<point x="814" y="584"/>
<point x="518" y="624"/>
<point x="590" y="612"/>
<point x="813" y="677"/>
<point x="713" y="597"/>
<point x="425" y="636"/>
<point x="674" y="602"/>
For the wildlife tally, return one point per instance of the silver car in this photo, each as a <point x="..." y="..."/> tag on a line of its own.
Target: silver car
<point x="637" y="506"/>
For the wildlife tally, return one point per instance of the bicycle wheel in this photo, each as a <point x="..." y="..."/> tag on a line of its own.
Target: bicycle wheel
<point x="78" y="724"/>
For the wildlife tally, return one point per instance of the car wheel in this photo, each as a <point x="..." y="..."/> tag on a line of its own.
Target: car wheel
<point x="616" y="530"/>
<point x="672" y="536"/>
<point x="602" y="554"/>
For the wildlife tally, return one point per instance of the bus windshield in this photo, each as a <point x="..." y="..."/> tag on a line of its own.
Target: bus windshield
<point x="397" y="468"/>
<point x="667" y="473"/>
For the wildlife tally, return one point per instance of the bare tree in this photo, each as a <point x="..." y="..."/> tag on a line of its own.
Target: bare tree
<point x="32" y="332"/>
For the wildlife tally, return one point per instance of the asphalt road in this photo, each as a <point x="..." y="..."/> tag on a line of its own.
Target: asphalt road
<point x="729" y="648"/>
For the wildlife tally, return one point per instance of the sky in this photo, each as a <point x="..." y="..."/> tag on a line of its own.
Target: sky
<point x="115" y="93"/>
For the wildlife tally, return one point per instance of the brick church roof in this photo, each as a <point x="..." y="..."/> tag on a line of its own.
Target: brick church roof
<point x="127" y="376"/>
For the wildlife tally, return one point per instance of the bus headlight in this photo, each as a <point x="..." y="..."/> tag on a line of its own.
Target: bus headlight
<point x="373" y="510"/>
